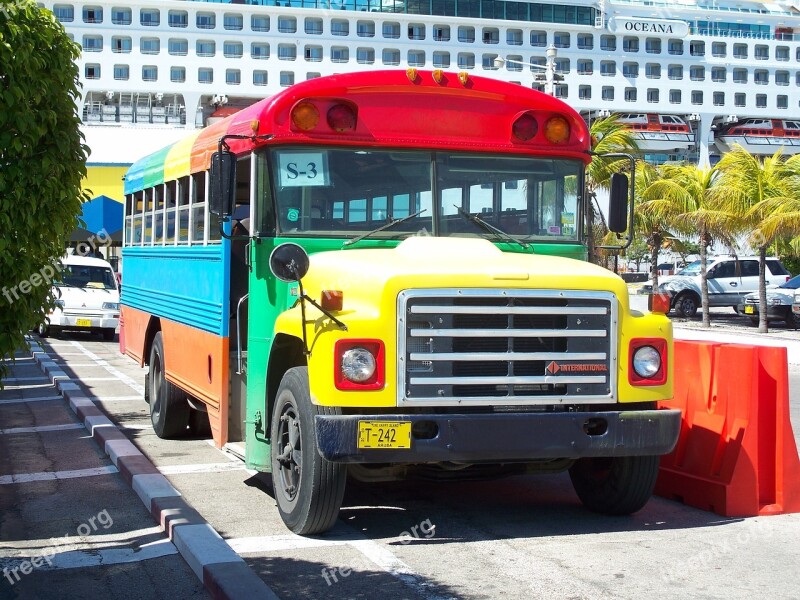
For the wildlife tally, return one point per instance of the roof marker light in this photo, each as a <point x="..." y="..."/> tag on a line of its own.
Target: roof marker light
<point x="254" y="125"/>
<point x="342" y="117"/>
<point x="305" y="116"/>
<point x="556" y="130"/>
<point x="525" y="128"/>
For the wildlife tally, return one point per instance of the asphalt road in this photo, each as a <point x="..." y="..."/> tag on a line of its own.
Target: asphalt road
<point x="521" y="537"/>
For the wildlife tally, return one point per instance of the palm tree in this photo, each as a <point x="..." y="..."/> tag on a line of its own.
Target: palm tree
<point x="647" y="223"/>
<point x="763" y="193"/>
<point x="684" y="196"/>
<point x="608" y="136"/>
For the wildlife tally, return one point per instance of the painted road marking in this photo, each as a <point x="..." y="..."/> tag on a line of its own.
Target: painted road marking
<point x="76" y="559"/>
<point x="113" y="370"/>
<point x="31" y="386"/>
<point x="53" y="475"/>
<point x="33" y="399"/>
<point x="15" y="380"/>
<point x="202" y="468"/>
<point x="115" y="398"/>
<point x="41" y="428"/>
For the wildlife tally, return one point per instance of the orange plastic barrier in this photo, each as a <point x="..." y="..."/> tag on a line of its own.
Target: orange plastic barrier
<point x="736" y="455"/>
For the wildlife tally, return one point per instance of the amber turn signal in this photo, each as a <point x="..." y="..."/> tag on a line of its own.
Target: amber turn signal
<point x="556" y="130"/>
<point x="305" y="116"/>
<point x="332" y="300"/>
<point x="658" y="302"/>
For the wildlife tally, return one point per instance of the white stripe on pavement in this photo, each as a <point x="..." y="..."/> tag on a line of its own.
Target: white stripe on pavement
<point x="15" y="380"/>
<point x="31" y="386"/>
<point x="201" y="468"/>
<point x="53" y="475"/>
<point x="32" y="399"/>
<point x="113" y="370"/>
<point x="91" y="558"/>
<point x="41" y="428"/>
<point x="115" y="398"/>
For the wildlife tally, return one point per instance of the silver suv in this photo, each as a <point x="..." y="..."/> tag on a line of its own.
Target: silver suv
<point x="729" y="280"/>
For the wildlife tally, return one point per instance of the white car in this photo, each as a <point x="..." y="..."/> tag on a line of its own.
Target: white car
<point x="730" y="279"/>
<point x="87" y="298"/>
<point x="779" y="303"/>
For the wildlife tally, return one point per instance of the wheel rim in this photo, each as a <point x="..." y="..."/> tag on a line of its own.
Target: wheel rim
<point x="155" y="388"/>
<point x="291" y="453"/>
<point x="687" y="305"/>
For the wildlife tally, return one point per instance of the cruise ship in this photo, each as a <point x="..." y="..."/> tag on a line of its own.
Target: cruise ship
<point x="683" y="73"/>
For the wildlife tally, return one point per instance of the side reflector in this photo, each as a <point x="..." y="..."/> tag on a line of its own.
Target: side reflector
<point x="332" y="300"/>
<point x="556" y="130"/>
<point x="658" y="302"/>
<point x="525" y="128"/>
<point x="305" y="116"/>
<point x="342" y="118"/>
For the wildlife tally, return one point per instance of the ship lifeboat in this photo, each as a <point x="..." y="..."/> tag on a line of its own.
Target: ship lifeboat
<point x="761" y="136"/>
<point x="658" y="133"/>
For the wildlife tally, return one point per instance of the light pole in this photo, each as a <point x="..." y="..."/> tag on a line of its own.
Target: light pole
<point x="549" y="69"/>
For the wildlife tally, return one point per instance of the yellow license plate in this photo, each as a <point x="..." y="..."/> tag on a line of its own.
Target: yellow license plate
<point x="749" y="310"/>
<point x="83" y="322"/>
<point x="384" y="434"/>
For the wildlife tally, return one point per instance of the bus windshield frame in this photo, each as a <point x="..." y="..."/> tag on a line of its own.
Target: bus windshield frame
<point x="345" y="192"/>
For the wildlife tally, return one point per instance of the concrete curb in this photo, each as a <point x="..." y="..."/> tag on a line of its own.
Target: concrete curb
<point x="223" y="572"/>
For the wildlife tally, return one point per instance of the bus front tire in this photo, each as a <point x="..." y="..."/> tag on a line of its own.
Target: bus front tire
<point x="618" y="485"/>
<point x="169" y="410"/>
<point x="308" y="489"/>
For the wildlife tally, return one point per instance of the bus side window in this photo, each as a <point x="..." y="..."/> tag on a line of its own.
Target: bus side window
<point x="128" y="238"/>
<point x="198" y="224"/>
<point x="148" y="217"/>
<point x="138" y="212"/>
<point x="158" y="215"/>
<point x="170" y="199"/>
<point x="183" y="210"/>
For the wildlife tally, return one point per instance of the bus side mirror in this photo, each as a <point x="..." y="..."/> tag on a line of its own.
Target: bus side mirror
<point x="223" y="183"/>
<point x="618" y="203"/>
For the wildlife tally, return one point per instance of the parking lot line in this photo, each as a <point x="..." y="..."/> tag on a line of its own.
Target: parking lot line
<point x="53" y="475"/>
<point x="41" y="428"/>
<point x="113" y="370"/>
<point x="33" y="399"/>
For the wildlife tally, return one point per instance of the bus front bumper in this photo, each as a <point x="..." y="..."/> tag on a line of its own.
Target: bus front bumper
<point x="505" y="437"/>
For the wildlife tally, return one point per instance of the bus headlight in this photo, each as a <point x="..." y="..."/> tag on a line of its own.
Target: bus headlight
<point x="360" y="365"/>
<point x="646" y="362"/>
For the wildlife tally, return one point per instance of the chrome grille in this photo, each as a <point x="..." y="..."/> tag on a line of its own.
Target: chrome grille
<point x="501" y="347"/>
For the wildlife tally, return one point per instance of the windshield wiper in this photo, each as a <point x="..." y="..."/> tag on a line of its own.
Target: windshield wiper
<point x="489" y="228"/>
<point x="388" y="225"/>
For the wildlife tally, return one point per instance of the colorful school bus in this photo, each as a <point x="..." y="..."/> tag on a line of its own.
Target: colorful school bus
<point x="384" y="274"/>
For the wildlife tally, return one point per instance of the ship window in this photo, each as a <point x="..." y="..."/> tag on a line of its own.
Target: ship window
<point x="652" y="95"/>
<point x="150" y="17"/>
<point x="762" y="52"/>
<point x="761" y="101"/>
<point x="585" y="41"/>
<point x="740" y="75"/>
<point x="312" y="75"/>
<point x="259" y="50"/>
<point x="719" y="49"/>
<point x="206" y="48"/>
<point x="149" y="73"/>
<point x="782" y="53"/>
<point x="121" y="16"/>
<point x="514" y="37"/>
<point x="630" y="70"/>
<point x="177" y="74"/>
<point x="466" y="60"/>
<point x="313" y="53"/>
<point x="365" y="56"/>
<point x="697" y="97"/>
<point x="313" y="26"/>
<point x="652" y="71"/>
<point x="178" y="18"/>
<point x="287" y="78"/>
<point x="121" y="44"/>
<point x="416" y="58"/>
<point x="92" y="71"/>
<point x="92" y="43"/>
<point x="584" y="92"/>
<point x="561" y="90"/>
<point x="562" y="65"/>
<point x="491" y="35"/>
<point x="740" y="51"/>
<point x="675" y="96"/>
<point x="675" y="72"/>
<point x="608" y="43"/>
<point x="233" y="76"/>
<point x="233" y="49"/>
<point x="391" y="57"/>
<point x="585" y="67"/>
<point x="441" y="33"/>
<point x="761" y="77"/>
<point x="340" y="27"/>
<point x="340" y="54"/>
<point x="797" y="78"/>
<point x="608" y="68"/>
<point x="652" y="46"/>
<point x="233" y="22"/>
<point x="487" y="62"/>
<point x="441" y="60"/>
<point x="697" y="73"/>
<point x="206" y="20"/>
<point x="719" y="74"/>
<point x="719" y="98"/>
<point x="259" y="23"/>
<point x="205" y="75"/>
<point x="514" y="63"/>
<point x="122" y="72"/>
<point x="65" y="13"/>
<point x="561" y="39"/>
<point x="391" y="30"/>
<point x="365" y="29"/>
<point x="630" y="94"/>
<point x="287" y="25"/>
<point x="416" y="31"/>
<point x="608" y="92"/>
<point x="781" y="77"/>
<point x="287" y="52"/>
<point x="537" y="64"/>
<point x="739" y="100"/>
<point x="697" y="48"/>
<point x="178" y="47"/>
<point x="539" y="39"/>
<point x="92" y="14"/>
<point x="675" y="47"/>
<point x="260" y="77"/>
<point x="150" y="45"/>
<point x="630" y="44"/>
<point x="783" y="101"/>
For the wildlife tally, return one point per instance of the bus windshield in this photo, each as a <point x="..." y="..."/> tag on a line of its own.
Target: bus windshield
<point x="324" y="192"/>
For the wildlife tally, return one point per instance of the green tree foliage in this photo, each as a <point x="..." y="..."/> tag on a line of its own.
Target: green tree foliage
<point x="42" y="162"/>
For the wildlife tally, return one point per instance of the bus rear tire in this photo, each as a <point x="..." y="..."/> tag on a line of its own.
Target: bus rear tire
<point x="169" y="410"/>
<point x="308" y="489"/>
<point x="618" y="485"/>
<point x="108" y="334"/>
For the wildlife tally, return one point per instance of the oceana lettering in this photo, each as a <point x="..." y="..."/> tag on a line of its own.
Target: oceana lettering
<point x="648" y="27"/>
